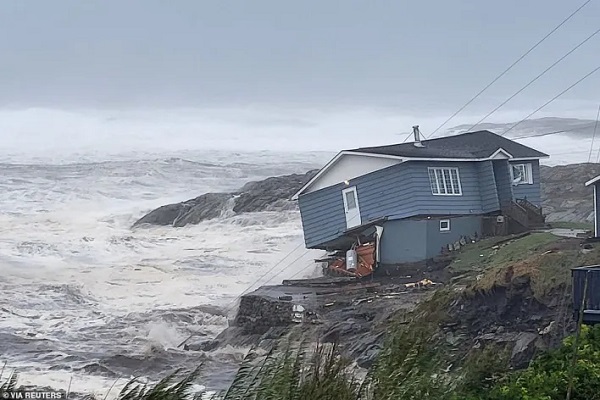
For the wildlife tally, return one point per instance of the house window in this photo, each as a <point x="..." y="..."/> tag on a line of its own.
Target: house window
<point x="444" y="225"/>
<point x="350" y="199"/>
<point x="445" y="181"/>
<point x="521" y="174"/>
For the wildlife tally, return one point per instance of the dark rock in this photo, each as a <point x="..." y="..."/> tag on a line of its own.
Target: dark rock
<point x="368" y="357"/>
<point x="97" y="369"/>
<point x="271" y="194"/>
<point x="523" y="350"/>
<point x="207" y="345"/>
<point x="340" y="330"/>
<point x="257" y="313"/>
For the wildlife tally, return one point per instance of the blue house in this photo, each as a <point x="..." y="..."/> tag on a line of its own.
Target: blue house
<point x="419" y="198"/>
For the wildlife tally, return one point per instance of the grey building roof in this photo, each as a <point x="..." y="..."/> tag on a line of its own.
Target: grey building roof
<point x="480" y="144"/>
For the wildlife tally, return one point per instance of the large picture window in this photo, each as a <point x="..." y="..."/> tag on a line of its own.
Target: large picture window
<point x="445" y="181"/>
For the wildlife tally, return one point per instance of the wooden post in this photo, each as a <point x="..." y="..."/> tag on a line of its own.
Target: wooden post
<point x="577" y="335"/>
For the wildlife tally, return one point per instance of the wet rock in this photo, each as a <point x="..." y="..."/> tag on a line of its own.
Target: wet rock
<point x="97" y="369"/>
<point x="548" y="329"/>
<point x="338" y="331"/>
<point x="206" y="345"/>
<point x="523" y="350"/>
<point x="257" y="313"/>
<point x="271" y="194"/>
<point x="368" y="357"/>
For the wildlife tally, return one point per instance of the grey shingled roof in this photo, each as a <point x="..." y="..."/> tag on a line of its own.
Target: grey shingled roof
<point x="480" y="144"/>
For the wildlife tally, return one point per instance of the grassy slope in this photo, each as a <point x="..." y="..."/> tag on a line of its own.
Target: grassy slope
<point x="572" y="225"/>
<point x="450" y="360"/>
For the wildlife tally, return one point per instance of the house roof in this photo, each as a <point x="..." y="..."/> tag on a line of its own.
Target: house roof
<point x="471" y="145"/>
<point x="592" y="181"/>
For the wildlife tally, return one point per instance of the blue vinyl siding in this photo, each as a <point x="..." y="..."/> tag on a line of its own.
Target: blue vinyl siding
<point x="404" y="191"/>
<point x="398" y="191"/>
<point x="403" y="241"/>
<point x="468" y="226"/>
<point x="531" y="192"/>
<point x="322" y="214"/>
<point x="487" y="187"/>
<point x="503" y="181"/>
<point x="413" y="240"/>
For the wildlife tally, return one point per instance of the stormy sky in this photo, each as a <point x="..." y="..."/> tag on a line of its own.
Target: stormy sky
<point x="402" y="55"/>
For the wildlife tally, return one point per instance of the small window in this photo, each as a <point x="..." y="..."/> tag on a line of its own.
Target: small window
<point x="445" y="181"/>
<point x="444" y="225"/>
<point x="521" y="174"/>
<point x="350" y="200"/>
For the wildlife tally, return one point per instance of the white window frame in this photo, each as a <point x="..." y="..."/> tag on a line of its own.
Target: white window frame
<point x="440" y="186"/>
<point x="357" y="220"/>
<point x="527" y="169"/>
<point x="447" y="229"/>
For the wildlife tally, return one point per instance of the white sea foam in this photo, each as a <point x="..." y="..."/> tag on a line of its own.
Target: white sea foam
<point x="79" y="286"/>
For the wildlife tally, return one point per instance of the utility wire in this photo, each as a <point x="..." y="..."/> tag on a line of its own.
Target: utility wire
<point x="594" y="136"/>
<point x="535" y="79"/>
<point x="552" y="99"/>
<point x="291" y="264"/>
<point x="595" y="127"/>
<point x="555" y="132"/>
<point x="268" y="272"/>
<point x="509" y="68"/>
<point x="231" y="303"/>
<point x="407" y="136"/>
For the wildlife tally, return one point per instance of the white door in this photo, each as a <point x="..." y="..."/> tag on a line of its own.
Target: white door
<point x="351" y="207"/>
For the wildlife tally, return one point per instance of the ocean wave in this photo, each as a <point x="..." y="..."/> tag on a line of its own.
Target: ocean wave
<point x="83" y="295"/>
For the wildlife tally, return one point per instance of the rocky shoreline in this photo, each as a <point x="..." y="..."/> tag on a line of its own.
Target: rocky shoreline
<point x="564" y="198"/>
<point x="271" y="194"/>
<point x="500" y="304"/>
<point x="358" y="318"/>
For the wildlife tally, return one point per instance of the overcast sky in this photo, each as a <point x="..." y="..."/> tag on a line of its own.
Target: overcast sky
<point x="416" y="55"/>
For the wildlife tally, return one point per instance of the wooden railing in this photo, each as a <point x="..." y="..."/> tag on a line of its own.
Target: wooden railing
<point x="517" y="213"/>
<point x="534" y="213"/>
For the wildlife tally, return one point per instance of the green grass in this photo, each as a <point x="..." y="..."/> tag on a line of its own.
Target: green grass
<point x="571" y="225"/>
<point x="543" y="260"/>
<point x="488" y="253"/>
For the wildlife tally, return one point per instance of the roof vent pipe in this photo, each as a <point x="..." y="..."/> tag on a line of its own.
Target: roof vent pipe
<point x="417" y="134"/>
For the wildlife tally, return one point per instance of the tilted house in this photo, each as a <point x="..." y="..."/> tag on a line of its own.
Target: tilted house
<point x="423" y="196"/>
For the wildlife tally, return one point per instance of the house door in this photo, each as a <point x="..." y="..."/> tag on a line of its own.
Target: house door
<point x="351" y="207"/>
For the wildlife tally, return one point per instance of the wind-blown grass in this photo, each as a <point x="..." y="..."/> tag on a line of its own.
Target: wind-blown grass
<point x="408" y="371"/>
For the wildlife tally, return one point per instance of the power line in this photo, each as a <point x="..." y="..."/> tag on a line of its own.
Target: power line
<point x="535" y="79"/>
<point x="552" y="99"/>
<point x="407" y="136"/>
<point x="555" y="132"/>
<point x="290" y="265"/>
<point x="231" y="303"/>
<point x="312" y="264"/>
<point x="509" y="68"/>
<point x="594" y="136"/>
<point x="268" y="272"/>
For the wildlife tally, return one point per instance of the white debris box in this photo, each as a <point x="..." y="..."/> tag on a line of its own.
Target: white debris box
<point x="351" y="260"/>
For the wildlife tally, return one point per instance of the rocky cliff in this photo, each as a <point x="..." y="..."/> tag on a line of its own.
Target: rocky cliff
<point x="564" y="195"/>
<point x="266" y="195"/>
